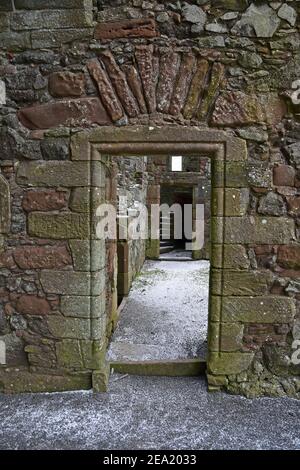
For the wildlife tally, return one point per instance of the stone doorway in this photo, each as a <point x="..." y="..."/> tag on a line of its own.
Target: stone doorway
<point x="228" y="159"/>
<point x="162" y="301"/>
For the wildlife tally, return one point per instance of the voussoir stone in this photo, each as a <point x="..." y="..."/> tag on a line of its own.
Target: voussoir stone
<point x="78" y="112"/>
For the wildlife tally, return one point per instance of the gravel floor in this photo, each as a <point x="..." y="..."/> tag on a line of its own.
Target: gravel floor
<point x="148" y="413"/>
<point x="166" y="313"/>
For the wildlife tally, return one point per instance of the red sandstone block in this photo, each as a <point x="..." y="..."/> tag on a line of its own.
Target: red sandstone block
<point x="44" y="200"/>
<point x="32" y="305"/>
<point x="284" y="175"/>
<point x="40" y="257"/>
<point x="63" y="84"/>
<point x="289" y="256"/>
<point x="81" y="112"/>
<point x="294" y="205"/>
<point x="144" y="28"/>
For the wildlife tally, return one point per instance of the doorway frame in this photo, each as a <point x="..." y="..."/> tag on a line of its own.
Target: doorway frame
<point x="228" y="156"/>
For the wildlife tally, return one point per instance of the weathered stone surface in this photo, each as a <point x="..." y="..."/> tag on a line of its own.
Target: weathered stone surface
<point x="193" y="14"/>
<point x="286" y="12"/>
<point x="230" y="202"/>
<point x="73" y="328"/>
<point x="88" y="255"/>
<point x="83" y="306"/>
<point x="55" y="173"/>
<point x="40" y="257"/>
<point x="259" y="230"/>
<point x="182" y="83"/>
<point x="68" y="353"/>
<point x="106" y="90"/>
<point x="15" y="41"/>
<point x="20" y="381"/>
<point x="272" y="204"/>
<point x="250" y="60"/>
<point x="83" y="199"/>
<point x="44" y="200"/>
<point x="231" y="336"/>
<point x="266" y="309"/>
<point x="63" y="84"/>
<point x="261" y="18"/>
<point x="51" y="4"/>
<point x="73" y="283"/>
<point x="233" y="257"/>
<point x="134" y="28"/>
<point x="54" y="38"/>
<point x="55" y="149"/>
<point x="32" y="305"/>
<point x="240" y="283"/>
<point x="118" y="80"/>
<point x="233" y="108"/>
<point x="55" y="19"/>
<point x="227" y="363"/>
<point x="58" y="226"/>
<point x="196" y="88"/>
<point x="144" y="58"/>
<point x="169" y="62"/>
<point x="284" y="175"/>
<point x="81" y="112"/>
<point x="100" y="381"/>
<point x="5" y="210"/>
<point x="289" y="256"/>
<point x="217" y="74"/>
<point x="294" y="206"/>
<point x="293" y="152"/>
<point x="253" y="133"/>
<point x="135" y="84"/>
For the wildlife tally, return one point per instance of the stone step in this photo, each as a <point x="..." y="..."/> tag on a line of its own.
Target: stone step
<point x="166" y="249"/>
<point x="175" y="368"/>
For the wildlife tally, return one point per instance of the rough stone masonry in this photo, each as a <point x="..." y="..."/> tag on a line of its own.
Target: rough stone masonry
<point x="69" y="66"/>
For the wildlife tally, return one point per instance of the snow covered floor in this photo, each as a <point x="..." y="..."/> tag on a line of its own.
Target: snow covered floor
<point x="148" y="413"/>
<point x="165" y="316"/>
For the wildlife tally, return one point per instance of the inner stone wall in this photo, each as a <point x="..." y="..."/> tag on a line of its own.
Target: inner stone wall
<point x="70" y="65"/>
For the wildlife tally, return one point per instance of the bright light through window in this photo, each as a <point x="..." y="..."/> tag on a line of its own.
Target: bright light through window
<point x="176" y="163"/>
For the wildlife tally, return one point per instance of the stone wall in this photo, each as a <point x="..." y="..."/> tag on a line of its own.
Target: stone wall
<point x="68" y="65"/>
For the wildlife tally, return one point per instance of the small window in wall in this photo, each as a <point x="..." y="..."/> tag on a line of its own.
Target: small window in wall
<point x="176" y="163"/>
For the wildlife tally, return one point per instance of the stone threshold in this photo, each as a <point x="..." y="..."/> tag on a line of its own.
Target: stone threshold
<point x="172" y="368"/>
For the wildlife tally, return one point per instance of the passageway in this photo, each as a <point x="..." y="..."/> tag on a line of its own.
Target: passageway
<point x="165" y="315"/>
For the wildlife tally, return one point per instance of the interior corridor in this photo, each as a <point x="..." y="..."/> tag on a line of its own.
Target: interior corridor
<point x="165" y="313"/>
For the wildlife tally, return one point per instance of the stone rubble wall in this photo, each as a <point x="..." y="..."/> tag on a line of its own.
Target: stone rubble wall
<point x="69" y="65"/>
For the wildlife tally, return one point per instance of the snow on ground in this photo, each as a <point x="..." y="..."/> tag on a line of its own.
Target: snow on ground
<point x="165" y="316"/>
